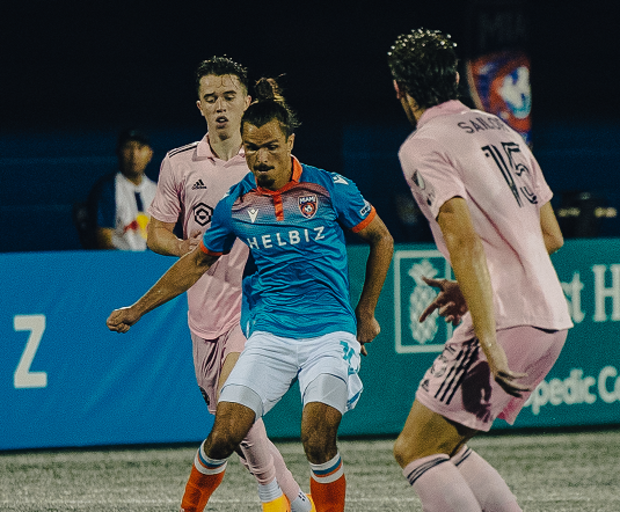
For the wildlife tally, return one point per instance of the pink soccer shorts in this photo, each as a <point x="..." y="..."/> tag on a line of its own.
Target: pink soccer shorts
<point x="459" y="385"/>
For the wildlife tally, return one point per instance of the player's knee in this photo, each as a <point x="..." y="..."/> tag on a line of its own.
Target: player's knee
<point x="404" y="451"/>
<point x="319" y="443"/>
<point x="319" y="449"/>
<point x="319" y="431"/>
<point x="232" y="423"/>
<point x="221" y="444"/>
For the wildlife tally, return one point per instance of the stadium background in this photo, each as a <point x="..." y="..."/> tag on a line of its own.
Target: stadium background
<point x="74" y="74"/>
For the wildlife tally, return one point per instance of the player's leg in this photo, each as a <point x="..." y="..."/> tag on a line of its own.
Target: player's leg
<point x="208" y="356"/>
<point x="319" y="428"/>
<point x="232" y="423"/>
<point x="266" y="463"/>
<point x="439" y="424"/>
<point x="529" y="350"/>
<point x="300" y="502"/>
<point x="423" y="451"/>
<point x="486" y="483"/>
<point x="263" y="373"/>
<point x="213" y="361"/>
<point x="256" y="452"/>
<point x="330" y="386"/>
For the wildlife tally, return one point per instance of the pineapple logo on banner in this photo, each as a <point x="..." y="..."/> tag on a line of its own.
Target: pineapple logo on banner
<point x="412" y="295"/>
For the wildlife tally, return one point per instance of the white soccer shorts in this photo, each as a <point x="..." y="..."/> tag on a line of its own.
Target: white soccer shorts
<point x="269" y="365"/>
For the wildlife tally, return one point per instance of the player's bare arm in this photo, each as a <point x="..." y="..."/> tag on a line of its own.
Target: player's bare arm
<point x="449" y="302"/>
<point x="104" y="238"/>
<point x="178" y="279"/>
<point x="381" y="245"/>
<point x="470" y="269"/>
<point x="552" y="234"/>
<point x="162" y="240"/>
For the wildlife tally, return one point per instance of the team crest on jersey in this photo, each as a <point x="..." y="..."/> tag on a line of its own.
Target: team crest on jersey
<point x="308" y="206"/>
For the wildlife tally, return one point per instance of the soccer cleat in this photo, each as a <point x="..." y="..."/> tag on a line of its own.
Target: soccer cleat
<point x="280" y="504"/>
<point x="313" y="509"/>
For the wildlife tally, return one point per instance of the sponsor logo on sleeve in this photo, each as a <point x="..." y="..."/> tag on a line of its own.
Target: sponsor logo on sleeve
<point x="340" y="179"/>
<point x="366" y="209"/>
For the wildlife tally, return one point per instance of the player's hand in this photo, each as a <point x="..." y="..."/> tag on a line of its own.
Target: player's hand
<point x="192" y="242"/>
<point x="120" y="320"/>
<point x="449" y="302"/>
<point x="367" y="330"/>
<point x="507" y="379"/>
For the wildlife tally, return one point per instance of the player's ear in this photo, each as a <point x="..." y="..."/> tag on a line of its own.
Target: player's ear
<point x="291" y="141"/>
<point x="399" y="92"/>
<point x="198" y="104"/>
<point x="458" y="78"/>
<point x="248" y="100"/>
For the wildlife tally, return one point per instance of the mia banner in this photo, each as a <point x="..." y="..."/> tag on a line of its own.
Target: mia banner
<point x="498" y="66"/>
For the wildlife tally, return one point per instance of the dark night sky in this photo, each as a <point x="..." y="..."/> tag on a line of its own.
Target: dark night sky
<point x="68" y="64"/>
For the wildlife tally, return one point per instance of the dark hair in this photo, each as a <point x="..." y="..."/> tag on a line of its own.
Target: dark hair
<point x="269" y="104"/>
<point x="424" y="64"/>
<point x="132" y="135"/>
<point x="219" y="66"/>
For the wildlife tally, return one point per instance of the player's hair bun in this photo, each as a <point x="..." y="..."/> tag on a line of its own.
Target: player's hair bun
<point x="269" y="104"/>
<point x="267" y="89"/>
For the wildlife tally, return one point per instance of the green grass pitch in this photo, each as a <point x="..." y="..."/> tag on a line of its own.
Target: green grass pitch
<point x="559" y="472"/>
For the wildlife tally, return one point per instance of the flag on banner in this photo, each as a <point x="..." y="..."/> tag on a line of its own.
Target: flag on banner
<point x="499" y="83"/>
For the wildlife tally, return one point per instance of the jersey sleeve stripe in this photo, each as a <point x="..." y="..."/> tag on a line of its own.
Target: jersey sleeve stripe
<point x="366" y="221"/>
<point x="182" y="149"/>
<point x="208" y="251"/>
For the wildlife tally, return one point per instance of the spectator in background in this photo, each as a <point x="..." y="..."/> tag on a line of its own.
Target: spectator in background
<point x="119" y="201"/>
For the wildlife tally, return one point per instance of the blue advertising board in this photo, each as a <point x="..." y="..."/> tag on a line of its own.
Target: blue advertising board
<point x="65" y="380"/>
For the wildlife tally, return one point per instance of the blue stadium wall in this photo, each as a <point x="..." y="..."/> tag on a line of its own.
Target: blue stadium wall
<point x="43" y="175"/>
<point x="66" y="381"/>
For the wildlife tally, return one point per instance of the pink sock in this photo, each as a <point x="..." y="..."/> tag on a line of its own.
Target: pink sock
<point x="258" y="458"/>
<point x="265" y="462"/>
<point x="287" y="482"/>
<point x="486" y="483"/>
<point x="440" y="486"/>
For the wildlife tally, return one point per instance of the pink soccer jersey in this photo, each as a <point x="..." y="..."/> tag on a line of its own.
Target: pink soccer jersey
<point x="192" y="180"/>
<point x="489" y="165"/>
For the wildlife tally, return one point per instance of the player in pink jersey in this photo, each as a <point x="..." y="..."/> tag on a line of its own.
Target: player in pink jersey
<point x="487" y="202"/>
<point x="192" y="180"/>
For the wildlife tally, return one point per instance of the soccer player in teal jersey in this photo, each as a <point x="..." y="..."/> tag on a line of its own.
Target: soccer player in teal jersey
<point x="291" y="216"/>
<point x="297" y="241"/>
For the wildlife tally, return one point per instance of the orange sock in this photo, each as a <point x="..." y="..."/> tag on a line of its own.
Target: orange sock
<point x="206" y="475"/>
<point x="328" y="485"/>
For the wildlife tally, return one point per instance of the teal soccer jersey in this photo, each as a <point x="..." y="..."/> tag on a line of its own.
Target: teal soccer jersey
<point x="296" y="237"/>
